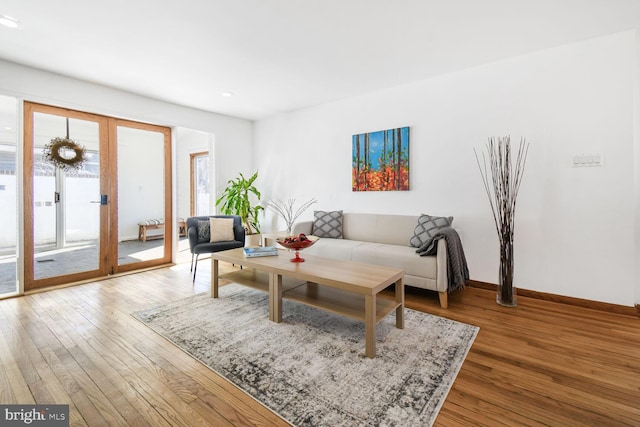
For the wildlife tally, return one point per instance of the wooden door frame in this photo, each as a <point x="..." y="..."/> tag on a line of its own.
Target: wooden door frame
<point x="108" y="185"/>
<point x="30" y="282"/>
<point x="113" y="195"/>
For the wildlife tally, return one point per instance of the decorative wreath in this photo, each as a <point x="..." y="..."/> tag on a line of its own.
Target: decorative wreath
<point x="56" y="149"/>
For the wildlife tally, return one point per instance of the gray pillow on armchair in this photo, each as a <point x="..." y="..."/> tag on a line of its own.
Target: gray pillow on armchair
<point x="204" y="231"/>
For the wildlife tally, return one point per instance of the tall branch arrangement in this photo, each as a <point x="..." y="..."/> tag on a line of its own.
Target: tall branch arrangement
<point x="286" y="210"/>
<point x="502" y="181"/>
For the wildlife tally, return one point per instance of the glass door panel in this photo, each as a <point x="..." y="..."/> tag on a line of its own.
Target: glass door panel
<point x="66" y="201"/>
<point x="65" y="230"/>
<point x="144" y="222"/>
<point x="82" y="203"/>
<point x="44" y="207"/>
<point x="8" y="197"/>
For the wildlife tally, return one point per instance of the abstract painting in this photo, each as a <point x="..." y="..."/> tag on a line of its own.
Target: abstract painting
<point x="380" y="160"/>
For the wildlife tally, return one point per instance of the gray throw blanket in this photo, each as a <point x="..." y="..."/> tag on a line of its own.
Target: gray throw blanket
<point x="457" y="270"/>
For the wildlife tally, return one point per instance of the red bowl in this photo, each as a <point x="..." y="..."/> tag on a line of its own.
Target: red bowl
<point x="297" y="245"/>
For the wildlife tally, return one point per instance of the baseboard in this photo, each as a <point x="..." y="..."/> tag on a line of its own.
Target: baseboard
<point x="595" y="305"/>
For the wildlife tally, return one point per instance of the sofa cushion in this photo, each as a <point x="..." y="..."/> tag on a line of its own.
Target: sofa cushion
<point x="327" y="224"/>
<point x="427" y="226"/>
<point x="152" y="222"/>
<point x="221" y="229"/>
<point x="377" y="228"/>
<point x="341" y="249"/>
<point x="403" y="257"/>
<point x="204" y="233"/>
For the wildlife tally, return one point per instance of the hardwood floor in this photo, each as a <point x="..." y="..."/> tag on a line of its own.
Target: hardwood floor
<point x="542" y="363"/>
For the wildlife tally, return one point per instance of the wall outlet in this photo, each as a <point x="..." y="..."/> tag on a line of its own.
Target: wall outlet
<point x="588" y="160"/>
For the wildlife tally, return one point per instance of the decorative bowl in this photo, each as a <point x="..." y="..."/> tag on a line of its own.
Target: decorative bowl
<point x="297" y="243"/>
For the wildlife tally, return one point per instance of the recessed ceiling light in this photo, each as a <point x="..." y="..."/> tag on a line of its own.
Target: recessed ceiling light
<point x="8" y="128"/>
<point x="8" y="21"/>
<point x="227" y="94"/>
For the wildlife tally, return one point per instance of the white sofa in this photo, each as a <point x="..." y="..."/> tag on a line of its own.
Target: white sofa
<point x="384" y="240"/>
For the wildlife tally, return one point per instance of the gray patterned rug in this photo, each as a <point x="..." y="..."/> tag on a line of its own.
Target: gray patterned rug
<point x="311" y="369"/>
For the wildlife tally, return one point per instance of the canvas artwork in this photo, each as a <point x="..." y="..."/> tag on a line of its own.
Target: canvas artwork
<point x="380" y="160"/>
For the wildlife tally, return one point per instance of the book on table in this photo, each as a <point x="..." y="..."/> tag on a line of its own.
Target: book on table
<point x="262" y="251"/>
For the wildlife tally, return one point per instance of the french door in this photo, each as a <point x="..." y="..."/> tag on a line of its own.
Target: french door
<point x="82" y="219"/>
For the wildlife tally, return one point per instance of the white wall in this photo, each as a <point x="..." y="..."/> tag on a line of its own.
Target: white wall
<point x="573" y="225"/>
<point x="233" y="135"/>
<point x="190" y="142"/>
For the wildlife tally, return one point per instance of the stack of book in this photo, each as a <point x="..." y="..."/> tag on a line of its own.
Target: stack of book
<point x="263" y="251"/>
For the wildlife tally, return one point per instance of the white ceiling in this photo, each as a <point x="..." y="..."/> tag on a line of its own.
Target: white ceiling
<point x="282" y="55"/>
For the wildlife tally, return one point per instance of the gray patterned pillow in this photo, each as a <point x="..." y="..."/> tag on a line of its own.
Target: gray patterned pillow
<point x="204" y="233"/>
<point x="327" y="224"/>
<point x="428" y="226"/>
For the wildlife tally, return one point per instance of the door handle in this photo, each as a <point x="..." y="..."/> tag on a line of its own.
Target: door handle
<point x="104" y="199"/>
<point x="56" y="197"/>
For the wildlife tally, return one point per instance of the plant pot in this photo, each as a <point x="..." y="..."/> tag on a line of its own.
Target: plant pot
<point x="252" y="240"/>
<point x="506" y="295"/>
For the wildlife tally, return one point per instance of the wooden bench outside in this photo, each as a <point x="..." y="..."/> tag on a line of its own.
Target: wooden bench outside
<point x="158" y="225"/>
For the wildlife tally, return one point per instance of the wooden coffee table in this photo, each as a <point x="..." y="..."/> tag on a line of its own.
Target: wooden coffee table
<point x="343" y="287"/>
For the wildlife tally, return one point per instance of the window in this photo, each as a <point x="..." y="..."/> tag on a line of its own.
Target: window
<point x="200" y="192"/>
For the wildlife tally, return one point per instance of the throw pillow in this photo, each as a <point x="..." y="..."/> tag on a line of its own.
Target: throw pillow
<point x="327" y="224"/>
<point x="203" y="231"/>
<point x="428" y="226"/>
<point x="221" y="229"/>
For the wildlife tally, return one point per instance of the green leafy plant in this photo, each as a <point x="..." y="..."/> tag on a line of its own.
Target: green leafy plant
<point x="235" y="200"/>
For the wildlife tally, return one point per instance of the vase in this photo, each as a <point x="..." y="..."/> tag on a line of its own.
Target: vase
<point x="506" y="295"/>
<point x="252" y="240"/>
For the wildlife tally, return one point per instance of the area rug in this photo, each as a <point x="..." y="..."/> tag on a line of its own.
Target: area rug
<point x="311" y="369"/>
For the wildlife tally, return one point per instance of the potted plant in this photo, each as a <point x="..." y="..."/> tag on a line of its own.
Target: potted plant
<point x="235" y="200"/>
